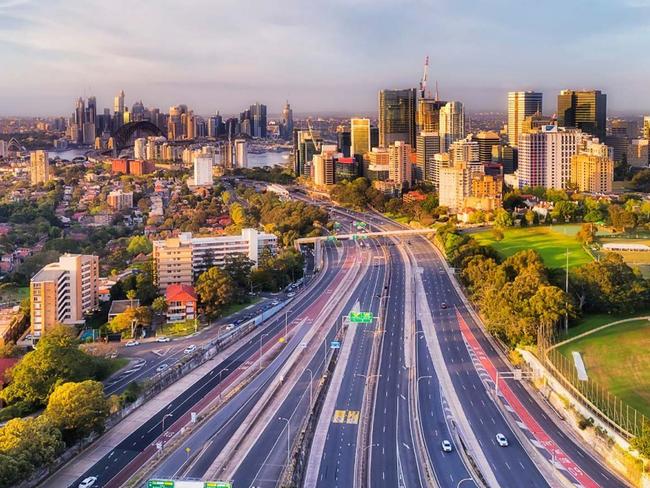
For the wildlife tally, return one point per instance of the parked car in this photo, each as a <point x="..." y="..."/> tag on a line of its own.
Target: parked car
<point x="230" y="326"/>
<point x="132" y="343"/>
<point x="162" y="367"/>
<point x="190" y="349"/>
<point x="88" y="482"/>
<point x="446" y="446"/>
<point x="501" y="440"/>
<point x="163" y="339"/>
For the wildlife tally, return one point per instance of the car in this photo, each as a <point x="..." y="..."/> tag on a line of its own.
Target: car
<point x="190" y="349"/>
<point x="88" y="482"/>
<point x="291" y="294"/>
<point x="275" y="302"/>
<point x="446" y="446"/>
<point x="132" y="343"/>
<point x="238" y="321"/>
<point x="163" y="339"/>
<point x="443" y="305"/>
<point x="501" y="440"/>
<point x="162" y="368"/>
<point x="230" y="326"/>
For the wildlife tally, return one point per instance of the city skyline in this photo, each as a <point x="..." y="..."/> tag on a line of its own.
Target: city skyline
<point x="204" y="56"/>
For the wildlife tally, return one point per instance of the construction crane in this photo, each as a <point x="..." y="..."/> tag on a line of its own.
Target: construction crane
<point x="423" y="81"/>
<point x="317" y="147"/>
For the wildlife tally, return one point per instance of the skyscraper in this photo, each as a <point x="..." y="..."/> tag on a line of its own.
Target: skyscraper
<point x="258" y="120"/>
<point x="287" y="121"/>
<point x="592" y="168"/>
<point x="452" y="124"/>
<point x="521" y="104"/>
<point x="586" y="110"/>
<point x="399" y="163"/>
<point x="241" y="153"/>
<point x="465" y="151"/>
<point x="397" y="116"/>
<point x="545" y="156"/>
<point x="39" y="166"/>
<point x="118" y="103"/>
<point x="486" y="140"/>
<point x="359" y="136"/>
<point x="429" y="114"/>
<point x="428" y="144"/>
<point x="454" y="186"/>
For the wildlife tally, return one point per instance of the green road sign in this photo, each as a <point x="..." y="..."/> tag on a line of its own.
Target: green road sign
<point x="354" y="237"/>
<point x="217" y="484"/>
<point x="331" y="238"/>
<point x="360" y="317"/>
<point x="337" y="225"/>
<point x="160" y="484"/>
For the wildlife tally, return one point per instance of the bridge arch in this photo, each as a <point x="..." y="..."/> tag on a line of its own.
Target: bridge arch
<point x="122" y="135"/>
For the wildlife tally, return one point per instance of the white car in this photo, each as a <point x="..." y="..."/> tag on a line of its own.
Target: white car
<point x="190" y="349"/>
<point x="162" y="368"/>
<point x="230" y="326"/>
<point x="446" y="446"/>
<point x="291" y="295"/>
<point x="163" y="339"/>
<point x="88" y="482"/>
<point x="501" y="440"/>
<point x="132" y="343"/>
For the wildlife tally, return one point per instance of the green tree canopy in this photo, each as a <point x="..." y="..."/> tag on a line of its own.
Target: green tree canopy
<point x="139" y="245"/>
<point x="215" y="289"/>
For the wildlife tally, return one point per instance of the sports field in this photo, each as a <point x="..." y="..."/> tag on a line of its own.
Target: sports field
<point x="618" y="358"/>
<point x="551" y="242"/>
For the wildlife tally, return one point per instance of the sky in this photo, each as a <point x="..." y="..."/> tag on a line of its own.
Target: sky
<point x="323" y="56"/>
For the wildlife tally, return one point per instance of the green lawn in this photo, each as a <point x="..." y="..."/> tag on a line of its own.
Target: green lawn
<point x="618" y="358"/>
<point x="551" y="242"/>
<point x="595" y="320"/>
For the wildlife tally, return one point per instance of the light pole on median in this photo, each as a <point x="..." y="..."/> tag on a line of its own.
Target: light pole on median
<point x="288" y="439"/>
<point x="368" y="377"/>
<point x="261" y="339"/>
<point x="162" y="445"/>
<point x="219" y="381"/>
<point x="464" y="479"/>
<point x="311" y="382"/>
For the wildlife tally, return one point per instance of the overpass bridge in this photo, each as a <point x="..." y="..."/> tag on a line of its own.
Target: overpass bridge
<point x="318" y="241"/>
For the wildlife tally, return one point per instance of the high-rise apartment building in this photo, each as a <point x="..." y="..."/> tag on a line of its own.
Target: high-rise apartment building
<point x="241" y="153"/>
<point x="397" y="116"/>
<point x="452" y="124"/>
<point x="203" y="171"/>
<point x="486" y="140"/>
<point x="454" y="186"/>
<point x="585" y="110"/>
<point x="646" y="126"/>
<point x="592" y="168"/>
<point x="305" y="145"/>
<point x="545" y="156"/>
<point x="440" y="160"/>
<point x="521" y="104"/>
<point x="359" y="136"/>
<point x="375" y="164"/>
<point x="63" y="292"/>
<point x="465" y="151"/>
<point x="399" y="164"/>
<point x="323" y="171"/>
<point x="427" y="145"/>
<point x="39" y="164"/>
<point x="180" y="260"/>
<point x="140" y="148"/>
<point x="120" y="200"/>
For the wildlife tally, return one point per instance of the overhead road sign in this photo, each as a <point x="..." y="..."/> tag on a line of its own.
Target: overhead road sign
<point x="360" y="317"/>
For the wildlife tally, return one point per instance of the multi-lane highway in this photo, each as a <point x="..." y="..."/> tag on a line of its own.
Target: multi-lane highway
<point x="114" y="468"/>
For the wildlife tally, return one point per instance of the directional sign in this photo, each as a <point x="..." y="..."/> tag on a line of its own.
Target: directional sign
<point x="217" y="484"/>
<point x="335" y="345"/>
<point x="331" y="238"/>
<point x="160" y="484"/>
<point x="360" y="317"/>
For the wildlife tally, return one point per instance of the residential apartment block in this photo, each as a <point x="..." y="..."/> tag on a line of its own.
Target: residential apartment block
<point x="179" y="260"/>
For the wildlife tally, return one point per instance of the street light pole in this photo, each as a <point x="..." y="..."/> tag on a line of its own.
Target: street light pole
<point x="288" y="439"/>
<point x="261" y="338"/>
<point x="219" y="382"/>
<point x="162" y="445"/>
<point x="464" y="479"/>
<point x="311" y="382"/>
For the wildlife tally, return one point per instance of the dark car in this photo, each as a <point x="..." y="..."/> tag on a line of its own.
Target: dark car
<point x="443" y="305"/>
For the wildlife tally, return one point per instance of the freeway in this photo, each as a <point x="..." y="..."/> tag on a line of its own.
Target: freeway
<point x="209" y="440"/>
<point x="264" y="463"/>
<point x="115" y="467"/>
<point x="479" y="402"/>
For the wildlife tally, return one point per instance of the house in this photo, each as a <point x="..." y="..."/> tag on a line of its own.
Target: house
<point x="181" y="303"/>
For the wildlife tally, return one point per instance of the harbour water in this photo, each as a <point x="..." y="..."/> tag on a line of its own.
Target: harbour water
<point x="254" y="160"/>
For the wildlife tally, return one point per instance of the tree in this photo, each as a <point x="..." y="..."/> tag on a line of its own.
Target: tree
<point x="642" y="442"/>
<point x="78" y="409"/>
<point x="502" y="218"/>
<point x="563" y="211"/>
<point x="621" y="219"/>
<point x="215" y="289"/>
<point x="641" y="181"/>
<point x="497" y="234"/>
<point x="139" y="245"/>
<point x="159" y="305"/>
<point x="530" y="217"/>
<point x="238" y="267"/>
<point x="57" y="358"/>
<point x="587" y="233"/>
<point x="125" y="321"/>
